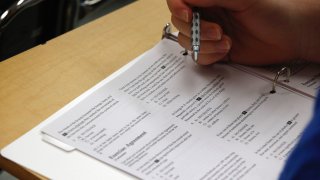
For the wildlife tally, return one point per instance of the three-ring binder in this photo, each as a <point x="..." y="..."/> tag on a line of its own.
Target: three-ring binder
<point x="166" y="33"/>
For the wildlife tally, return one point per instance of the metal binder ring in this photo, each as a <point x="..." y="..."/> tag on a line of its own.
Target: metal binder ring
<point x="275" y="81"/>
<point x="166" y="33"/>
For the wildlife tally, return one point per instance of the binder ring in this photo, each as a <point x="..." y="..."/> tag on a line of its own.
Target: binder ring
<point x="275" y="81"/>
<point x="166" y="33"/>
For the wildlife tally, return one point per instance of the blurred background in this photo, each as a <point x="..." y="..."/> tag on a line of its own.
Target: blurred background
<point x="27" y="23"/>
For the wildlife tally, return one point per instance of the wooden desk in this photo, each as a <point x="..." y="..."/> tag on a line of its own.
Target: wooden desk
<point x="38" y="82"/>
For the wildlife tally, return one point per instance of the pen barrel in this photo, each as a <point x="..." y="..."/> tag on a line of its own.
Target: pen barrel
<point x="195" y="31"/>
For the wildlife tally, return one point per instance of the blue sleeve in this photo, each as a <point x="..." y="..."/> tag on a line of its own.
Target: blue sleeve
<point x="304" y="161"/>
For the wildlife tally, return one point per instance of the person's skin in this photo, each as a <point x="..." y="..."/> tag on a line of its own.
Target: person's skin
<point x="252" y="32"/>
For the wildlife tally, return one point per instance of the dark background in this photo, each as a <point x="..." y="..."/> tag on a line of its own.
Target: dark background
<point x="43" y="20"/>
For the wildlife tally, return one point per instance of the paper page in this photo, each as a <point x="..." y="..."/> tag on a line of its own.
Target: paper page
<point x="304" y="78"/>
<point x="167" y="118"/>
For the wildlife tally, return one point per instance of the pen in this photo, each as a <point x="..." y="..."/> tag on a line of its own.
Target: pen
<point x="195" y="34"/>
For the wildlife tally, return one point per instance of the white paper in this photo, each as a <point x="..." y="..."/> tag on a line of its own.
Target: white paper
<point x="31" y="152"/>
<point x="167" y="118"/>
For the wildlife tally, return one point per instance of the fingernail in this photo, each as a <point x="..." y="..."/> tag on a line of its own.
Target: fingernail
<point x="214" y="34"/>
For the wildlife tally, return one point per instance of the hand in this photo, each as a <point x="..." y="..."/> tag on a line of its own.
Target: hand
<point x="254" y="32"/>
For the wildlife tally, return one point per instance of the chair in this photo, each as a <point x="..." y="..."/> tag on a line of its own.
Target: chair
<point x="27" y="23"/>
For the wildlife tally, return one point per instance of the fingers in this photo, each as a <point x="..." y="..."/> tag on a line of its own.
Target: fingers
<point x="207" y="46"/>
<point x="214" y="45"/>
<point x="233" y="5"/>
<point x="177" y="6"/>
<point x="180" y="10"/>
<point x="209" y="30"/>
<point x="211" y="51"/>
